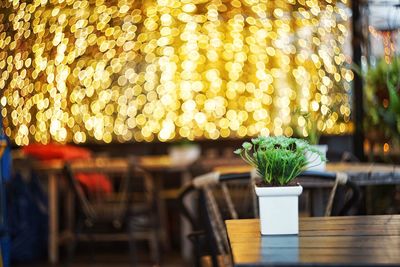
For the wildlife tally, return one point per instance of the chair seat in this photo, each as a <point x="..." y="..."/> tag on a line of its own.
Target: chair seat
<point x="109" y="212"/>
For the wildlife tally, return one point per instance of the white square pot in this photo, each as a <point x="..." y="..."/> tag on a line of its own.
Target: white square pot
<point x="279" y="209"/>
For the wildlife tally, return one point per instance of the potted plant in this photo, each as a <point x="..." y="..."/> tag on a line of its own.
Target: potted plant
<point x="278" y="161"/>
<point x="313" y="136"/>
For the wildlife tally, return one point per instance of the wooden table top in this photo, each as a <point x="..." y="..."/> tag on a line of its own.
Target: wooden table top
<point x="330" y="167"/>
<point x="149" y="163"/>
<point x="333" y="241"/>
<point x="163" y="163"/>
<point x="360" y="173"/>
<point x="84" y="165"/>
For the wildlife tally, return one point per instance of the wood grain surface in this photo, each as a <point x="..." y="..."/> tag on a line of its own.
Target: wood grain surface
<point x="322" y="241"/>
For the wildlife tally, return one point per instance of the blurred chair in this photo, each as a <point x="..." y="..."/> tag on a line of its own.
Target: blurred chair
<point x="231" y="196"/>
<point x="127" y="212"/>
<point x="219" y="198"/>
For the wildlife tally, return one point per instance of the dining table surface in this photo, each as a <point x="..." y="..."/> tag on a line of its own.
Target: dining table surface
<point x="149" y="163"/>
<point x="361" y="173"/>
<point x="322" y="241"/>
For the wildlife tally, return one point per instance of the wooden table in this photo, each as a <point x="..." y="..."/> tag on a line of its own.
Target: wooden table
<point x="322" y="241"/>
<point x="359" y="173"/>
<point x="161" y="167"/>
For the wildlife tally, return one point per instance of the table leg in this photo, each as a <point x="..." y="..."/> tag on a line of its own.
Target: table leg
<point x="186" y="245"/>
<point x="53" y="218"/>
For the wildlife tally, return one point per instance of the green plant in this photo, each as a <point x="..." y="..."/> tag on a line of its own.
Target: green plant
<point x="183" y="142"/>
<point x="382" y="105"/>
<point x="278" y="160"/>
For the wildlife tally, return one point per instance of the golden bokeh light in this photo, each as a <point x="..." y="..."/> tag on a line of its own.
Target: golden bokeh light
<point x="83" y="71"/>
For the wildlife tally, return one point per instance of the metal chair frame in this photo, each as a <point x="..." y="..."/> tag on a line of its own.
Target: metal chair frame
<point x="124" y="215"/>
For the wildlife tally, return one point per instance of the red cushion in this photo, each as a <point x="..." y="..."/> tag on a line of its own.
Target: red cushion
<point x="56" y="151"/>
<point x="96" y="183"/>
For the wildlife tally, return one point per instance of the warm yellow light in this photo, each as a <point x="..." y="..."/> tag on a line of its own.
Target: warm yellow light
<point x="106" y="71"/>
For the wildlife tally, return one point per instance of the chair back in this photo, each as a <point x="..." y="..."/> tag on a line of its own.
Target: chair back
<point x="117" y="193"/>
<point x="223" y="197"/>
<point x="337" y="205"/>
<point x="85" y="205"/>
<point x="109" y="194"/>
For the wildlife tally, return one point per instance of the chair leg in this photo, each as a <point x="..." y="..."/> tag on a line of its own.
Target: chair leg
<point x="91" y="242"/>
<point x="195" y="242"/>
<point x="155" y="247"/>
<point x="71" y="249"/>
<point x="132" y="245"/>
<point x="71" y="246"/>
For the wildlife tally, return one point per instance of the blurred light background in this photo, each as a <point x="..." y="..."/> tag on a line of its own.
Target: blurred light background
<point x="117" y="71"/>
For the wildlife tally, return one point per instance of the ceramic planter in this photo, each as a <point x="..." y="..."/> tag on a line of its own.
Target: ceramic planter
<point x="279" y="209"/>
<point x="315" y="161"/>
<point x="184" y="154"/>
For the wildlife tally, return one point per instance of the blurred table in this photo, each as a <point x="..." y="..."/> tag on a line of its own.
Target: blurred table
<point x="161" y="167"/>
<point x="322" y="241"/>
<point x="163" y="163"/>
<point x="359" y="173"/>
<point x="368" y="173"/>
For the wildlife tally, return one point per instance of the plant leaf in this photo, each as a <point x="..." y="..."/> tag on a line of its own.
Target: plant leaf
<point x="247" y="145"/>
<point x="238" y="151"/>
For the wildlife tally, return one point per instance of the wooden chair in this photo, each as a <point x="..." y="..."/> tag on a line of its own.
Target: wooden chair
<point x="231" y="196"/>
<point x="221" y="197"/>
<point x="129" y="211"/>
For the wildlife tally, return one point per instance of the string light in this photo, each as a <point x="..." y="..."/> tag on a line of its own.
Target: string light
<point x="80" y="71"/>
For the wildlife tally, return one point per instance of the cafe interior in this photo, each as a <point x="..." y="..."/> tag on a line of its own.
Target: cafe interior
<point x="157" y="133"/>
